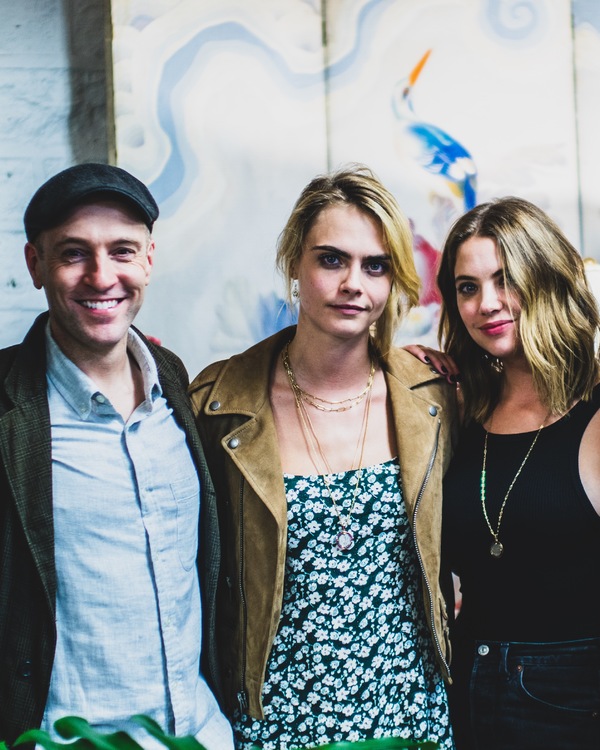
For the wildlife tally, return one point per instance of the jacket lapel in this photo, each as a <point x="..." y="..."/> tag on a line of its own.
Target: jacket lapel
<point x="174" y="387"/>
<point x="252" y="445"/>
<point x="26" y="454"/>
<point x="254" y="456"/>
<point x="174" y="384"/>
<point x="416" y="423"/>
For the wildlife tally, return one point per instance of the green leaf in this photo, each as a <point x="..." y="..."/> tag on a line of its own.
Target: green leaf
<point x="84" y="736"/>
<point x="72" y="727"/>
<point x="42" y="738"/>
<point x="81" y="736"/>
<point x="173" y="743"/>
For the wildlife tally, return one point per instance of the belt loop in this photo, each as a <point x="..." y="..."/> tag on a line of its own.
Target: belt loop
<point x="503" y="666"/>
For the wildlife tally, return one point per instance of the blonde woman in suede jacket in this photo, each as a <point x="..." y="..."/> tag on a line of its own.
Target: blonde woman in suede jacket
<point x="327" y="448"/>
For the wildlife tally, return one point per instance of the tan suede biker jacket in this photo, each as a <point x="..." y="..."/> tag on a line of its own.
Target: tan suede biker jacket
<point x="233" y="413"/>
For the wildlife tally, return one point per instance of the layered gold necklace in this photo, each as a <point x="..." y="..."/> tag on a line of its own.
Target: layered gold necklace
<point x="322" y="404"/>
<point x="344" y="539"/>
<point x="497" y="548"/>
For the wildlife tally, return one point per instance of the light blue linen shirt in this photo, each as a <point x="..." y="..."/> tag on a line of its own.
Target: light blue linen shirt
<point x="126" y="510"/>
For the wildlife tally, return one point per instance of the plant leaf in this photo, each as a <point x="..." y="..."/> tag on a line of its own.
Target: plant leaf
<point x="173" y="743"/>
<point x="72" y="727"/>
<point x="82" y="736"/>
<point x="43" y="738"/>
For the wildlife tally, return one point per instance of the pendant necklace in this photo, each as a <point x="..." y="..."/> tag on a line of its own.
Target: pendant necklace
<point x="497" y="548"/>
<point x="343" y="540"/>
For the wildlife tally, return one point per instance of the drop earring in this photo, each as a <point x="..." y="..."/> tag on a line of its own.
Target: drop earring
<point x="495" y="363"/>
<point x="295" y="289"/>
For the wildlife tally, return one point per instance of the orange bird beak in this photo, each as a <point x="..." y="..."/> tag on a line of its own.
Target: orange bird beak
<point x="416" y="71"/>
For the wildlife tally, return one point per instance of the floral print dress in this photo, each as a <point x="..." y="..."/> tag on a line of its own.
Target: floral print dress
<point x="353" y="657"/>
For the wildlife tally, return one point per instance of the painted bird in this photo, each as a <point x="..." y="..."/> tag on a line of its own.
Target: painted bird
<point x="433" y="149"/>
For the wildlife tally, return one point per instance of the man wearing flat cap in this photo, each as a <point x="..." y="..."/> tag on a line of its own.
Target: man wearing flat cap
<point x="108" y="532"/>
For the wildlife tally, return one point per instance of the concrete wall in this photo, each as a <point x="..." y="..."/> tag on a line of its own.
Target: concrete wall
<point x="53" y="113"/>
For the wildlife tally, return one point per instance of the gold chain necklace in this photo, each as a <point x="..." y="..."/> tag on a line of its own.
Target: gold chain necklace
<point x="497" y="548"/>
<point x="344" y="539"/>
<point x="343" y="405"/>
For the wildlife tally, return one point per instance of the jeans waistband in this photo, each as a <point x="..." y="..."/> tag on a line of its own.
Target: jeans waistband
<point x="584" y="652"/>
<point x="585" y="647"/>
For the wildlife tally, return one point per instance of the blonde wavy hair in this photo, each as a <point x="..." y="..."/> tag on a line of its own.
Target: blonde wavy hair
<point x="559" y="318"/>
<point x="357" y="185"/>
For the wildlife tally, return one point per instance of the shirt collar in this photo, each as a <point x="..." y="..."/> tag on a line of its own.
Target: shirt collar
<point x="80" y="391"/>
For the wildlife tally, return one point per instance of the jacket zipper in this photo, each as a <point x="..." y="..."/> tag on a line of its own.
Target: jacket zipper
<point x="242" y="695"/>
<point x="427" y="585"/>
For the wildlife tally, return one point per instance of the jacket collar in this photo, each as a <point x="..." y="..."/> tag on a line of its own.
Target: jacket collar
<point x="253" y="368"/>
<point x="27" y="375"/>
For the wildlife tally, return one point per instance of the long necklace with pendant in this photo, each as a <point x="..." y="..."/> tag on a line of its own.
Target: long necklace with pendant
<point x="344" y="539"/>
<point x="497" y="548"/>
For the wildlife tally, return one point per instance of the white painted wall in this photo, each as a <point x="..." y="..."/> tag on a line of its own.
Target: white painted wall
<point x="52" y="115"/>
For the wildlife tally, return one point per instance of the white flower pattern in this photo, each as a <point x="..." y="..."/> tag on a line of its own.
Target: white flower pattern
<point x="352" y="658"/>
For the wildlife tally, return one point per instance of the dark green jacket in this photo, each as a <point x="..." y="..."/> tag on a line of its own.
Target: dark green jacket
<point x="27" y="573"/>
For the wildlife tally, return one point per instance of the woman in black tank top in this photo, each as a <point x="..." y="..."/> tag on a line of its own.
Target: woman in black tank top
<point x="521" y="520"/>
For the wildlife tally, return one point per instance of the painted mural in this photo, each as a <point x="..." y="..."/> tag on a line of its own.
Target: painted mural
<point x="227" y="108"/>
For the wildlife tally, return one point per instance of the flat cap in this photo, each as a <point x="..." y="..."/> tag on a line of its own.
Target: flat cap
<point x="73" y="186"/>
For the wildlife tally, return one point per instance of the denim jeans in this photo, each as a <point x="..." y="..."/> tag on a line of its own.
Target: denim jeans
<point x="527" y="696"/>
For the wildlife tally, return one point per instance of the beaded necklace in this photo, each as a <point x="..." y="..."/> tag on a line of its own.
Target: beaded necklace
<point x="497" y="548"/>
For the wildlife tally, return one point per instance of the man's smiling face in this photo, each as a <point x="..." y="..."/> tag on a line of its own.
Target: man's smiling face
<point x="94" y="269"/>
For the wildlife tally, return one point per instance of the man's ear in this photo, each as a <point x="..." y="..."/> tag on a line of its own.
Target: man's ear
<point x="33" y="260"/>
<point x="150" y="258"/>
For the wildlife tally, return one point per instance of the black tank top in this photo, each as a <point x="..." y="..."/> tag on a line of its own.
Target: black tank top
<point x="546" y="585"/>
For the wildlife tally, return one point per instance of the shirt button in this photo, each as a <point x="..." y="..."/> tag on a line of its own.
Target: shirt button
<point x="214" y="405"/>
<point x="483" y="650"/>
<point x="100" y="398"/>
<point x="433" y="410"/>
<point x="233" y="443"/>
<point x="26" y="669"/>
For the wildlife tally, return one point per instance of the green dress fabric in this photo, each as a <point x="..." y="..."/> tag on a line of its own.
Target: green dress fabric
<point x="352" y="658"/>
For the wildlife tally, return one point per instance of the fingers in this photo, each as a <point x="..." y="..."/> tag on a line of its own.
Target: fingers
<point x="418" y="351"/>
<point x="439" y="362"/>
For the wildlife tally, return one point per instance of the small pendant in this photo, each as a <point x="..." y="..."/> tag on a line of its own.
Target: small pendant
<point x="344" y="541"/>
<point x="497" y="549"/>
